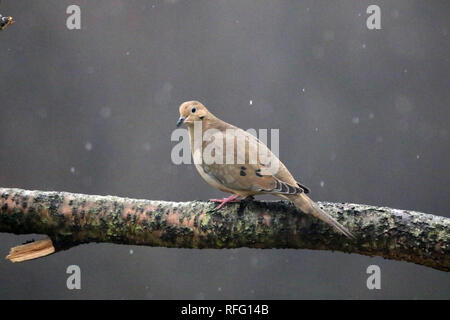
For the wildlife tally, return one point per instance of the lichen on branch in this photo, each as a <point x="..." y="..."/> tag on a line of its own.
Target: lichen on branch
<point x="70" y="219"/>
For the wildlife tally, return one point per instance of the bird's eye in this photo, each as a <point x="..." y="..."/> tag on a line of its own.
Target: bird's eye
<point x="193" y="110"/>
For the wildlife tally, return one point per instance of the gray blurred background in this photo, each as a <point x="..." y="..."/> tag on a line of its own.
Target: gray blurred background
<point x="363" y="117"/>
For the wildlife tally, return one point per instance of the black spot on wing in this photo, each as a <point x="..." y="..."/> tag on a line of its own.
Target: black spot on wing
<point x="242" y="173"/>
<point x="291" y="189"/>
<point x="277" y="186"/>
<point x="258" y="173"/>
<point x="304" y="188"/>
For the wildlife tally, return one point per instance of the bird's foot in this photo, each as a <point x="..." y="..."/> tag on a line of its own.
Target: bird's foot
<point x="222" y="202"/>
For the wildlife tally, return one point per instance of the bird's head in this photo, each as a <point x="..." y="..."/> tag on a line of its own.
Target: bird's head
<point x="191" y="111"/>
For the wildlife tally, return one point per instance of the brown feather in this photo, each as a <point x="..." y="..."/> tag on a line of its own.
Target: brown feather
<point x="242" y="176"/>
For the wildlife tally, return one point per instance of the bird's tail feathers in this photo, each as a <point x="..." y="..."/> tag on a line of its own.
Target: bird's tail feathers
<point x="305" y="204"/>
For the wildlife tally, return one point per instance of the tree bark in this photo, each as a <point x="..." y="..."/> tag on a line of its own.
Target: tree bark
<point x="71" y="219"/>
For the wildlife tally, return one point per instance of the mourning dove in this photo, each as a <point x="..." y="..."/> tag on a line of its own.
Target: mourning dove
<point x="234" y="161"/>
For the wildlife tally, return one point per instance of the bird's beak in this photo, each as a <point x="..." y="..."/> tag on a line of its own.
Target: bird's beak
<point x="180" y="121"/>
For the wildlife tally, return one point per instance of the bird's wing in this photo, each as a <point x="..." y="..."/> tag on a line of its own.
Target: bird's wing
<point x="250" y="168"/>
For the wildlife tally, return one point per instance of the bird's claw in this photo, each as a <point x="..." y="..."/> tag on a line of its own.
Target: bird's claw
<point x="222" y="202"/>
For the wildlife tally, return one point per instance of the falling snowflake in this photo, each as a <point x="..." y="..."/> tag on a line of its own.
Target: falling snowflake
<point x="254" y="261"/>
<point x="105" y="112"/>
<point x="42" y="113"/>
<point x="200" y="296"/>
<point x="146" y="146"/>
<point x="72" y="170"/>
<point x="88" y="146"/>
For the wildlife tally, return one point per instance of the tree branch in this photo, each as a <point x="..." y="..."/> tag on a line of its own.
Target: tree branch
<point x="70" y="219"/>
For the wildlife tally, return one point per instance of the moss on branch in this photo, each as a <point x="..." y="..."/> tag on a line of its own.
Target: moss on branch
<point x="71" y="219"/>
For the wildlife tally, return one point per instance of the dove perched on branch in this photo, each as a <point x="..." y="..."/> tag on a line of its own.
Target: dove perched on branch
<point x="234" y="161"/>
